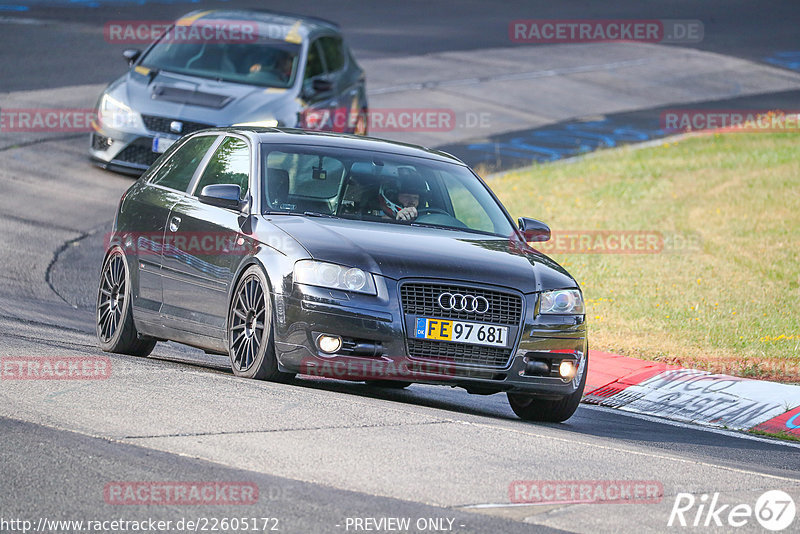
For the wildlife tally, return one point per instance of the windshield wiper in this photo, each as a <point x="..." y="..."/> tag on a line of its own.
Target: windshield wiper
<point x="453" y="228"/>
<point x="317" y="214"/>
<point x="438" y="226"/>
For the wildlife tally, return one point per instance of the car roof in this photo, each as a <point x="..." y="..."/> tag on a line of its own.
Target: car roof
<point x="297" y="136"/>
<point x="302" y="26"/>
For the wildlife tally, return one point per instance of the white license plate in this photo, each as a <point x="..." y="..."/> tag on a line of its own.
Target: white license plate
<point x="461" y="332"/>
<point x="161" y="144"/>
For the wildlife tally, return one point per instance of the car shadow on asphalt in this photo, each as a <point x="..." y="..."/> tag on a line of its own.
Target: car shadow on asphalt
<point x="588" y="423"/>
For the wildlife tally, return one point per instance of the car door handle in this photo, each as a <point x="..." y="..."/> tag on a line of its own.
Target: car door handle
<point x="174" y="224"/>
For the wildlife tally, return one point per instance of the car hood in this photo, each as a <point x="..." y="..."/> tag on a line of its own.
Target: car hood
<point x="203" y="100"/>
<point x="398" y="251"/>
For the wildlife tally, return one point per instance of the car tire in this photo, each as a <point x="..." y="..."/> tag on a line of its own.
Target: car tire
<point x="388" y="384"/>
<point x="250" y="334"/>
<point x="529" y="408"/>
<point x="116" y="331"/>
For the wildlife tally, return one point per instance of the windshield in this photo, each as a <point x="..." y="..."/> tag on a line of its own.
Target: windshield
<point x="378" y="187"/>
<point x="265" y="62"/>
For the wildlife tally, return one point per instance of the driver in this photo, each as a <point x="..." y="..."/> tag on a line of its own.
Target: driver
<point x="399" y="198"/>
<point x="282" y="67"/>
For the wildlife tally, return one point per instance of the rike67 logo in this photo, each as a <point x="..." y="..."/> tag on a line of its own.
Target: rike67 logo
<point x="774" y="510"/>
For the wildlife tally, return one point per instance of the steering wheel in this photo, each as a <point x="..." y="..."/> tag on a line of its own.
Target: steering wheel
<point x="438" y="216"/>
<point x="431" y="211"/>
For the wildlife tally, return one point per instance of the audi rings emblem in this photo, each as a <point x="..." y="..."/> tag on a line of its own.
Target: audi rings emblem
<point x="463" y="303"/>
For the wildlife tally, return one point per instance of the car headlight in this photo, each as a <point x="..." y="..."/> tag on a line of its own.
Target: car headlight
<point x="114" y="114"/>
<point x="562" y="302"/>
<point x="330" y="275"/>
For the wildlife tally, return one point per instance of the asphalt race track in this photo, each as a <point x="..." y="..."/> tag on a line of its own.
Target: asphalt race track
<point x="320" y="451"/>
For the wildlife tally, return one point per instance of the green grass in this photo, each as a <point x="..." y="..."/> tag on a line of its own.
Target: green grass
<point x="780" y="435"/>
<point x="724" y="294"/>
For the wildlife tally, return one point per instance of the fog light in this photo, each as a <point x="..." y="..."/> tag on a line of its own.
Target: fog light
<point x="329" y="344"/>
<point x="567" y="369"/>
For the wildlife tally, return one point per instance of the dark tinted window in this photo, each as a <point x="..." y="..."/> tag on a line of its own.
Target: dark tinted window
<point x="334" y="55"/>
<point x="314" y="62"/>
<point x="308" y="175"/>
<point x="229" y="165"/>
<point x="367" y="186"/>
<point x="177" y="172"/>
<point x="265" y="62"/>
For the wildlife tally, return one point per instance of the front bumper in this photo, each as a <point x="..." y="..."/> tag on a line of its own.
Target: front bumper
<point x="374" y="329"/>
<point x="122" y="152"/>
<point x="132" y="152"/>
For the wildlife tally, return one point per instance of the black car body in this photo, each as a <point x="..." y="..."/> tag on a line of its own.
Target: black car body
<point x="185" y="82"/>
<point x="269" y="245"/>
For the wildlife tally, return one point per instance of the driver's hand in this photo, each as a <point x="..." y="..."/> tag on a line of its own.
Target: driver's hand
<point x="407" y="214"/>
<point x="256" y="67"/>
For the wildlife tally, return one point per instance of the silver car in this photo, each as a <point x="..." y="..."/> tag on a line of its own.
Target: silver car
<point x="224" y="68"/>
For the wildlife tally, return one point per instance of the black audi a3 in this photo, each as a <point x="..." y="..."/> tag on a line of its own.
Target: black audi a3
<point x="332" y="255"/>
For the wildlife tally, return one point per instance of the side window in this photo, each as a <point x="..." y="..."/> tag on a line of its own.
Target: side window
<point x="229" y="165"/>
<point x="314" y="65"/>
<point x="334" y="55"/>
<point x="177" y="172"/>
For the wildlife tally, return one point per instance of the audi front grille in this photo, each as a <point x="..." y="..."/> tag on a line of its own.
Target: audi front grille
<point x="422" y="300"/>
<point x="459" y="353"/>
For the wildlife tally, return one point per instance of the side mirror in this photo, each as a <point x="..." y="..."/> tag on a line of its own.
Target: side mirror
<point x="321" y="85"/>
<point x="534" y="230"/>
<point x="222" y="196"/>
<point x="316" y="87"/>
<point x="131" y="55"/>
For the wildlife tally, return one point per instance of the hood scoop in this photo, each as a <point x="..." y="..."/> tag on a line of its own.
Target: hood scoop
<point x="190" y="97"/>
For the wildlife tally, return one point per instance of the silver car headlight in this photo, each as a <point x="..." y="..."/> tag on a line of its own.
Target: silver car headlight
<point x="562" y="302"/>
<point x="330" y="275"/>
<point x="116" y="115"/>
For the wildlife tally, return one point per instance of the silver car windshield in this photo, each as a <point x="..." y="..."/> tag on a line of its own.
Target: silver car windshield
<point x="377" y="187"/>
<point x="266" y="63"/>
